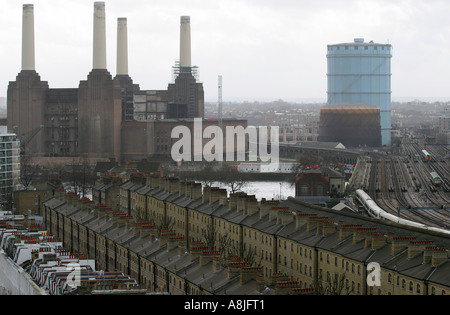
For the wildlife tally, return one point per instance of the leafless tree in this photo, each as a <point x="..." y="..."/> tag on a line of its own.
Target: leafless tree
<point x="162" y="223"/>
<point x="333" y="285"/>
<point x="82" y="176"/>
<point x="233" y="180"/>
<point x="227" y="248"/>
<point x="28" y="171"/>
<point x="209" y="235"/>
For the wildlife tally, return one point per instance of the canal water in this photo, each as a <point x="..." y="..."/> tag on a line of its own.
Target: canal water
<point x="261" y="189"/>
<point x="268" y="190"/>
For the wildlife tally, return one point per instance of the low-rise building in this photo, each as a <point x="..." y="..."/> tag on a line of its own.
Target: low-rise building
<point x="269" y="247"/>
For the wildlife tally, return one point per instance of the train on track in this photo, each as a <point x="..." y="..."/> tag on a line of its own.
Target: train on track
<point x="435" y="179"/>
<point x="377" y="212"/>
<point x="426" y="156"/>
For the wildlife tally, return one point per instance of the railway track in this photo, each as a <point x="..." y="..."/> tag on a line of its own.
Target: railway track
<point x="402" y="187"/>
<point x="399" y="183"/>
<point x="427" y="191"/>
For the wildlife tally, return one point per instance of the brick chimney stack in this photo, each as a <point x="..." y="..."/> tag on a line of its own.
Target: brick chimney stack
<point x="416" y="247"/>
<point x="347" y="229"/>
<point x="400" y="242"/>
<point x="439" y="256"/>
<point x="251" y="205"/>
<point x="266" y="205"/>
<point x="302" y="218"/>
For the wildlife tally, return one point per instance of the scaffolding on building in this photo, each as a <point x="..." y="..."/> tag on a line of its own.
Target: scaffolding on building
<point x="177" y="69"/>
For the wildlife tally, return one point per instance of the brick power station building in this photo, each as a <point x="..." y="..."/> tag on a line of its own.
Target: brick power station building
<point x="105" y="117"/>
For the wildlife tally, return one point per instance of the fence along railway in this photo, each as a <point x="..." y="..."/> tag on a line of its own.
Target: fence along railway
<point x="403" y="185"/>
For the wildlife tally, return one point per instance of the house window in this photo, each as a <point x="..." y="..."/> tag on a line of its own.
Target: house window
<point x="319" y="190"/>
<point x="304" y="190"/>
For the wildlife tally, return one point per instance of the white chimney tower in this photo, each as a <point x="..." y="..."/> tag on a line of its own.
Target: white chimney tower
<point x="122" y="47"/>
<point x="28" y="60"/>
<point x="99" y="55"/>
<point x="185" y="42"/>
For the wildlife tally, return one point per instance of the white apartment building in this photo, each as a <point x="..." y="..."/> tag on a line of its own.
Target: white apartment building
<point x="9" y="166"/>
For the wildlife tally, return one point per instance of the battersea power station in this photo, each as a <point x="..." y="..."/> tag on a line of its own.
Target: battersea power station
<point x="106" y="117"/>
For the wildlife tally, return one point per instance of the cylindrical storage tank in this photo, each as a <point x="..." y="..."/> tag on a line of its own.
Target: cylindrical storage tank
<point x="351" y="124"/>
<point x="360" y="72"/>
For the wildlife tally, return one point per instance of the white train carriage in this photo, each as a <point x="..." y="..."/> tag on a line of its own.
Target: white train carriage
<point x="367" y="202"/>
<point x="377" y="212"/>
<point x="426" y="156"/>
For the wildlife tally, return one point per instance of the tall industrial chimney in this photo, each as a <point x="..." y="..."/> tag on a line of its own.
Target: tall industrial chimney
<point x="122" y="47"/>
<point x="28" y="60"/>
<point x="99" y="55"/>
<point x="185" y="42"/>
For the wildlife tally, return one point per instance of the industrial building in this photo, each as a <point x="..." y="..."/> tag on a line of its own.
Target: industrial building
<point x="351" y="124"/>
<point x="360" y="72"/>
<point x="105" y="117"/>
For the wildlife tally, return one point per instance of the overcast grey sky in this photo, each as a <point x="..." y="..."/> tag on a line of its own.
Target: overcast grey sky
<point x="264" y="49"/>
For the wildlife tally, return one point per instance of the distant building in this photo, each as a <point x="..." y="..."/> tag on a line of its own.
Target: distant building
<point x="319" y="183"/>
<point x="360" y="72"/>
<point x="351" y="124"/>
<point x="29" y="202"/>
<point x="105" y="117"/>
<point x="265" y="167"/>
<point x="9" y="165"/>
<point x="444" y="127"/>
<point x="294" y="127"/>
<point x="444" y="121"/>
<point x="3" y="111"/>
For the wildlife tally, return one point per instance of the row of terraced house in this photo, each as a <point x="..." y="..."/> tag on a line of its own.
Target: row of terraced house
<point x="180" y="237"/>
